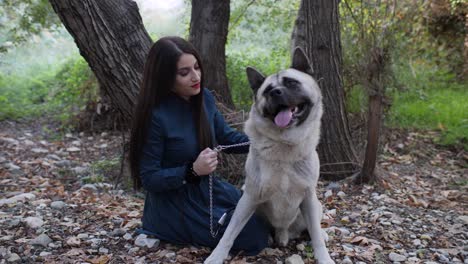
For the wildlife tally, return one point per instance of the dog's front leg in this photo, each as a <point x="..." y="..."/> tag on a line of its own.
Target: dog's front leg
<point x="244" y="210"/>
<point x="312" y="211"/>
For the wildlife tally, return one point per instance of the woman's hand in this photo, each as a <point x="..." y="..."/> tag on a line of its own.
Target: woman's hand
<point x="206" y="162"/>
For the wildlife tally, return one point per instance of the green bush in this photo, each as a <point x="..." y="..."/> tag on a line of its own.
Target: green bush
<point x="61" y="93"/>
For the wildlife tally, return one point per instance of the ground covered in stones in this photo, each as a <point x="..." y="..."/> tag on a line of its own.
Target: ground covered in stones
<point x="59" y="204"/>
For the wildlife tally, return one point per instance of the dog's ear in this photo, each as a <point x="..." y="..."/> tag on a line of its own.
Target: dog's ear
<point x="255" y="78"/>
<point x="300" y="61"/>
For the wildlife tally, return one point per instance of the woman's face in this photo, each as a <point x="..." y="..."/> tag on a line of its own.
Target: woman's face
<point x="188" y="76"/>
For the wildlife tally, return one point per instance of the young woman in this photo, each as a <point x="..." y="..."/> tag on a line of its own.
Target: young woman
<point x="176" y="126"/>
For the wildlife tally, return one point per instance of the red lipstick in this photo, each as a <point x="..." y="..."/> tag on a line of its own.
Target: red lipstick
<point x="196" y="86"/>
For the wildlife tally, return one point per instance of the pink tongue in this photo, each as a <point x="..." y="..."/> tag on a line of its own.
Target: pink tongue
<point x="283" y="118"/>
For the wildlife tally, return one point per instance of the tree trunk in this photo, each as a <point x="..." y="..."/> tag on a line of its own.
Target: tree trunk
<point x="317" y="31"/>
<point x="208" y="33"/>
<point x="111" y="37"/>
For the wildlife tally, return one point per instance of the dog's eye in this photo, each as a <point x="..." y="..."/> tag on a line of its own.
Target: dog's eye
<point x="290" y="83"/>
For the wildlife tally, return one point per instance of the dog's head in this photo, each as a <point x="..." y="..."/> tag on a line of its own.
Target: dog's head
<point x="289" y="97"/>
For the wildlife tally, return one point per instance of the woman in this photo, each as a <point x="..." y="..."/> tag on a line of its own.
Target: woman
<point x="176" y="125"/>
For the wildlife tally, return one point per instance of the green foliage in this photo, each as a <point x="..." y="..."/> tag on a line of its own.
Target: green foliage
<point x="62" y="92"/>
<point x="22" y="19"/>
<point x="103" y="170"/>
<point x="432" y="99"/>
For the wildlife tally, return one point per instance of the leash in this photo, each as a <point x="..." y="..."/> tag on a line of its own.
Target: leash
<point x="221" y="221"/>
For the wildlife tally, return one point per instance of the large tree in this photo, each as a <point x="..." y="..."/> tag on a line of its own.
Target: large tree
<point x="317" y="31"/>
<point x="111" y="37"/>
<point x="208" y="33"/>
<point x="113" y="40"/>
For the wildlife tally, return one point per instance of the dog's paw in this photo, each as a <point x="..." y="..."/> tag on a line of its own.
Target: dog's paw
<point x="215" y="259"/>
<point x="322" y="256"/>
<point x="282" y="237"/>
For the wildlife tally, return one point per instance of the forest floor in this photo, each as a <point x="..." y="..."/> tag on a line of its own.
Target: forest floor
<point x="56" y="208"/>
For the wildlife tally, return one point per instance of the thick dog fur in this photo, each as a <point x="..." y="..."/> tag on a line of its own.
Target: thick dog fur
<point x="282" y="167"/>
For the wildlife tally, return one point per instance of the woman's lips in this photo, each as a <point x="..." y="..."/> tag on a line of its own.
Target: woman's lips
<point x="196" y="86"/>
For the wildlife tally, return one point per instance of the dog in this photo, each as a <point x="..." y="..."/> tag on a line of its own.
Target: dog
<point x="282" y="167"/>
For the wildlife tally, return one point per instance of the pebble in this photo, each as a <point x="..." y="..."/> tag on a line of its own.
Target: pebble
<point x="425" y="237"/>
<point x="294" y="259"/>
<point x="300" y="247"/>
<point x="328" y="193"/>
<point x="14" y="258"/>
<point x="347" y="248"/>
<point x="82" y="236"/>
<point x="18" y="198"/>
<point x="33" y="222"/>
<point x="346" y="260"/>
<point x="45" y="253"/>
<point x="73" y="149"/>
<point x="414" y="260"/>
<point x="396" y="257"/>
<point x="341" y="194"/>
<point x="127" y="236"/>
<point x="39" y="150"/>
<point x="41" y="240"/>
<point x="142" y="240"/>
<point x="417" y="242"/>
<point x="63" y="163"/>
<point x="103" y="250"/>
<point x="74" y="241"/>
<point x="57" y="205"/>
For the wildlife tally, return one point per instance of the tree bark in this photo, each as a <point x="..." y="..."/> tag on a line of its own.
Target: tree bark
<point x="317" y="31"/>
<point x="113" y="40"/>
<point x="208" y="33"/>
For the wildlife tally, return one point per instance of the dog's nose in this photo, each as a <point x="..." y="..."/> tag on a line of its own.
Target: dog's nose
<point x="276" y="92"/>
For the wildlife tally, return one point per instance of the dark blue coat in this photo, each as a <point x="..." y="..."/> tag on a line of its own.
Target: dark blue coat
<point x="175" y="210"/>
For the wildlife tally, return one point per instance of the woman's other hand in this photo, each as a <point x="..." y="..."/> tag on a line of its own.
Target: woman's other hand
<point x="206" y="162"/>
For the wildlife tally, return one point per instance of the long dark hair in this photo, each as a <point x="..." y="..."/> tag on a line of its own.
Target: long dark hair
<point x="159" y="76"/>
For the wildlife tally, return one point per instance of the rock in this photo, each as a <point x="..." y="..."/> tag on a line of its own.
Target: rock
<point x="53" y="157"/>
<point x="14" y="258"/>
<point x="80" y="170"/>
<point x="417" y="242"/>
<point x="396" y="257"/>
<point x="45" y="254"/>
<point x="39" y="150"/>
<point x="300" y="247"/>
<point x="341" y="194"/>
<point x="127" y="236"/>
<point x="414" y="260"/>
<point x="294" y="259"/>
<point x="328" y="194"/>
<point x="347" y="248"/>
<point x="63" y="163"/>
<point x="117" y="232"/>
<point x="463" y="219"/>
<point x="57" y="205"/>
<point x="41" y="240"/>
<point x="346" y="260"/>
<point x="74" y="241"/>
<point x="103" y="250"/>
<point x="12" y="167"/>
<point x="91" y="187"/>
<point x="425" y="237"/>
<point x="18" y="198"/>
<point x="33" y="222"/>
<point x="73" y="149"/>
<point x="10" y="141"/>
<point x="170" y="255"/>
<point x="142" y="240"/>
<point x="82" y="236"/>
